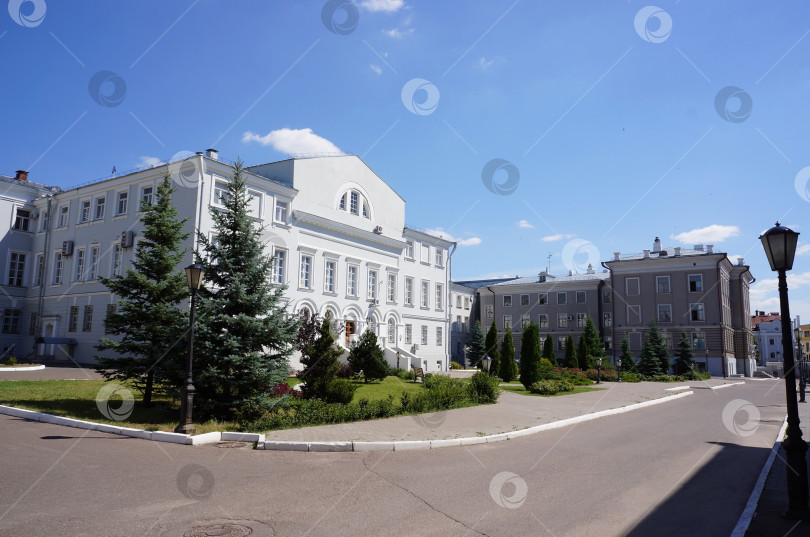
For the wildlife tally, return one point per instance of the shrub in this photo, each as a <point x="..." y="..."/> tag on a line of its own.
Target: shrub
<point x="631" y="377"/>
<point x="346" y="372"/>
<point x="282" y="389"/>
<point x="340" y="391"/>
<point x="455" y="365"/>
<point x="551" y="387"/>
<point x="608" y="375"/>
<point x="446" y="392"/>
<point x="12" y="361"/>
<point x="483" y="388"/>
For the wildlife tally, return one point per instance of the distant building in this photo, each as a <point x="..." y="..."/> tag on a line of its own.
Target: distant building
<point x="767" y="330"/>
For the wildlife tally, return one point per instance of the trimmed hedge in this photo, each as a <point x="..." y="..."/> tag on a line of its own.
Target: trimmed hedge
<point x="551" y="387"/>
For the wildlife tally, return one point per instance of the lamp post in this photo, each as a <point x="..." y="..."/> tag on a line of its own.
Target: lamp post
<point x="619" y="365"/>
<point x="599" y="371"/>
<point x="779" y="243"/>
<point x="692" y="368"/>
<point x="194" y="276"/>
<point x="485" y="363"/>
<point x="802" y="378"/>
<point x="397" y="359"/>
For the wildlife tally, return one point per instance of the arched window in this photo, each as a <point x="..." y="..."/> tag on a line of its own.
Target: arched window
<point x="392" y="331"/>
<point x="355" y="203"/>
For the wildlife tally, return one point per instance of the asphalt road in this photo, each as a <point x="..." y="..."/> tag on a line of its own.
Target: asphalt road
<point x="673" y="469"/>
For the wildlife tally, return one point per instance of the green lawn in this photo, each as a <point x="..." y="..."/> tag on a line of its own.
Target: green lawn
<point x="382" y="389"/>
<point x="519" y="389"/>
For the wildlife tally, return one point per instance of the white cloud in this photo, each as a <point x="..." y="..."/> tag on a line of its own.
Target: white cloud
<point x="483" y="64"/>
<point x="525" y="223"/>
<point x="557" y="237"/>
<point x="763" y="294"/>
<point x="388" y="6"/>
<point x="710" y="234"/>
<point x="804" y="249"/>
<point x="151" y="162"/>
<point x="396" y="33"/>
<point x="292" y="141"/>
<point x="439" y="232"/>
<point x="376" y="68"/>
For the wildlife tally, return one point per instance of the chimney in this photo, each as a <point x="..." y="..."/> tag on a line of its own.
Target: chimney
<point x="657" y="245"/>
<point x="570" y="272"/>
<point x="646" y="254"/>
<point x="710" y="248"/>
<point x="213" y="154"/>
<point x="699" y="247"/>
<point x="590" y="269"/>
<point x="617" y="256"/>
<point x="21" y="175"/>
<point x="740" y="262"/>
<point x="677" y="251"/>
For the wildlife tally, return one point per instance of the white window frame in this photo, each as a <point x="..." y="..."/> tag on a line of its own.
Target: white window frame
<point x="700" y="309"/>
<point x="637" y="286"/>
<point x="698" y="282"/>
<point x="542" y="299"/>
<point x="16" y="268"/>
<point x="409" y="291"/>
<point x="607" y="319"/>
<point x="95" y="255"/>
<point x="489" y="311"/>
<point x="99" y="207"/>
<point x="525" y="319"/>
<point x="542" y="320"/>
<point x="408" y="334"/>
<point x="58" y="268"/>
<point x="584" y="296"/>
<point x="79" y="265"/>
<point x="329" y="276"/>
<point x="39" y="269"/>
<point x="305" y="272"/>
<point x="698" y="341"/>
<point x="280" y="266"/>
<point x="507" y="301"/>
<point x="352" y="272"/>
<point x="281" y="211"/>
<point x="115" y="262"/>
<point x="634" y="308"/>
<point x="409" y="249"/>
<point x="439" y="336"/>
<point x="23" y="217"/>
<point x="372" y="284"/>
<point x="85" y="210"/>
<point x="507" y="321"/>
<point x="665" y="283"/>
<point x="667" y="309"/>
<point x="122" y="203"/>
<point x="581" y="320"/>
<point x="64" y="216"/>
<point x="392" y="288"/>
<point x="439" y="257"/>
<point x="562" y="320"/>
<point x="562" y="296"/>
<point x="147" y="196"/>
<point x="220" y="192"/>
<point x="424" y="334"/>
<point x="439" y="296"/>
<point x="424" y="294"/>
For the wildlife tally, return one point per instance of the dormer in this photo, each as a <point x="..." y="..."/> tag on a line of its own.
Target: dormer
<point x="355" y="202"/>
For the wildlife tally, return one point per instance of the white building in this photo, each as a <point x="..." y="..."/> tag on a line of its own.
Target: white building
<point x="336" y="230"/>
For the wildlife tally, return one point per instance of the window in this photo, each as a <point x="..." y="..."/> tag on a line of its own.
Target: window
<point x="542" y="299"/>
<point x="57" y="268"/>
<point x="282" y="208"/>
<point x="608" y="343"/>
<point x="408" y="334"/>
<point x="425" y="294"/>
<point x="697" y="312"/>
<point x="220" y="192"/>
<point x="329" y="277"/>
<point x="662" y="285"/>
<point x="392" y="332"/>
<point x="524" y="300"/>
<point x="425" y="258"/>
<point x="392" y="288"/>
<point x="438" y="336"/>
<point x="280" y="267"/>
<point x="580" y="320"/>
<point x="580" y="297"/>
<point x="561" y="343"/>
<point x="354" y="202"/>
<point x="121" y="206"/>
<point x="562" y="320"/>
<point x="562" y="298"/>
<point x="16" y="269"/>
<point x="664" y="313"/>
<point x="695" y="283"/>
<point x="698" y="341"/>
<point x="607" y="319"/>
<point x="632" y="286"/>
<point x="409" y="249"/>
<point x="100" y="203"/>
<point x="39" y="269"/>
<point x="607" y="297"/>
<point x="32" y="328"/>
<point x="424" y="334"/>
<point x="507" y="321"/>
<point x="458" y="301"/>
<point x="439" y="257"/>
<point x="115" y="270"/>
<point x="78" y="273"/>
<point x="63" y="216"/>
<point x="11" y="321"/>
<point x="305" y="277"/>
<point x="365" y="210"/>
<point x="409" y="291"/>
<point x="524" y="320"/>
<point x="507" y="301"/>
<point x="466" y="302"/>
<point x="542" y="320"/>
<point x="490" y="311"/>
<point x="342" y="203"/>
<point x="94" y="255"/>
<point x="111" y="309"/>
<point x="439" y="296"/>
<point x="84" y="214"/>
<point x="87" y="322"/>
<point x="146" y="196"/>
<point x="22" y="222"/>
<point x="372" y="284"/>
<point x="351" y="280"/>
<point x="634" y="314"/>
<point x="73" y="319"/>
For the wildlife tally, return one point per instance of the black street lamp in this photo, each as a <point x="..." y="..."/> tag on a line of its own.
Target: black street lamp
<point x="486" y="361"/>
<point x="802" y="379"/>
<point x="599" y="371"/>
<point x="692" y="368"/>
<point x="619" y="365"/>
<point x="397" y="359"/>
<point x="780" y="247"/>
<point x="194" y="275"/>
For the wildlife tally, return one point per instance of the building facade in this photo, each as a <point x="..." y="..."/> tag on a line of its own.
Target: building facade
<point x="336" y="230"/>
<point x="767" y="329"/>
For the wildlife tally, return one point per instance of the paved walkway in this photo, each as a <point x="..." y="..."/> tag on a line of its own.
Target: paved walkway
<point x="512" y="412"/>
<point x="52" y="372"/>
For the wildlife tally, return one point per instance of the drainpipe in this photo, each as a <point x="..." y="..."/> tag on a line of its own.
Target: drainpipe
<point x="45" y="264"/>
<point x="722" y="327"/>
<point x="612" y="310"/>
<point x="448" y="296"/>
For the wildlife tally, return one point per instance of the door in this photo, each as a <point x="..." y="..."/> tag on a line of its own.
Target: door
<point x="349" y="331"/>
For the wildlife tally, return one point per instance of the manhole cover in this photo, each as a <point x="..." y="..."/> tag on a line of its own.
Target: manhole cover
<point x="231" y="444"/>
<point x="219" y="530"/>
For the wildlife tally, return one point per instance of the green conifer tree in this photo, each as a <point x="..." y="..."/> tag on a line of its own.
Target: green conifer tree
<point x="548" y="350"/>
<point x="509" y="367"/>
<point x="149" y="345"/>
<point x="367" y="356"/>
<point x="570" y="360"/>
<point x="320" y="358"/>
<point x="596" y="348"/>
<point x="491" y="350"/>
<point x="628" y="361"/>
<point x="654" y="353"/>
<point x="685" y="355"/>
<point x="530" y="355"/>
<point x="583" y="353"/>
<point x="477" y="347"/>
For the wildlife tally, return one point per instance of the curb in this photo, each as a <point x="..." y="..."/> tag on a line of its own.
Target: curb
<point x="720" y="386"/>
<point x="22" y="368"/>
<point x="753" y="500"/>
<point x="408" y="445"/>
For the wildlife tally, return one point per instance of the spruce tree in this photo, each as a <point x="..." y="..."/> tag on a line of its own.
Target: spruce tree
<point x="654" y="355"/>
<point x="320" y="358"/>
<point x="685" y="355"/>
<point x="477" y="347"/>
<point x="628" y="361"/>
<point x="596" y="348"/>
<point x="244" y="335"/>
<point x="150" y="342"/>
<point x="367" y="356"/>
<point x="530" y="355"/>
<point x="583" y="353"/>
<point x="548" y="350"/>
<point x="491" y="350"/>
<point x="570" y="360"/>
<point x="659" y="342"/>
<point x="509" y="367"/>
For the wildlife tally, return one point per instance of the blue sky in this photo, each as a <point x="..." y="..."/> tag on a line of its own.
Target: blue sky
<point x="611" y="122"/>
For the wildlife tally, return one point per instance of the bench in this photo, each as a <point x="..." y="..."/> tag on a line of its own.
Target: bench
<point x="418" y="372"/>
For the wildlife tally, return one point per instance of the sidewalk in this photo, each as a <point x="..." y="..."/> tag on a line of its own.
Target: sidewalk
<point x="768" y="519"/>
<point x="513" y="412"/>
